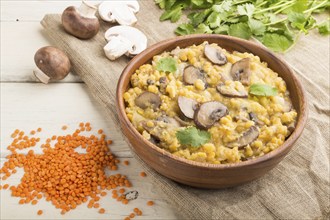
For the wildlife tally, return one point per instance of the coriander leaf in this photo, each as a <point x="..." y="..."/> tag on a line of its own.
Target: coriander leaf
<point x="298" y="6"/>
<point x="172" y="14"/>
<point x="167" y="64"/>
<point x="257" y="27"/>
<point x="203" y="29"/>
<point x="246" y="9"/>
<point x="213" y="20"/>
<point x="169" y="4"/>
<point x="184" y="29"/>
<point x="225" y="6"/>
<point x="192" y="136"/>
<point x="324" y="27"/>
<point x="161" y="3"/>
<point x="223" y="29"/>
<point x="262" y="90"/>
<point x="297" y="20"/>
<point x="241" y="30"/>
<point x="276" y="42"/>
<point x="198" y="17"/>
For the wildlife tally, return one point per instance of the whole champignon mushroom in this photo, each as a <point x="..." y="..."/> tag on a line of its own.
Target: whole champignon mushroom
<point x="81" y="22"/>
<point x="148" y="99"/>
<point x="124" y="40"/>
<point x="52" y="64"/>
<point x="122" y="12"/>
<point x="247" y="138"/>
<point x="231" y="91"/>
<point x="191" y="74"/>
<point x="240" y="71"/>
<point x="215" y="55"/>
<point x="209" y="113"/>
<point x="187" y="106"/>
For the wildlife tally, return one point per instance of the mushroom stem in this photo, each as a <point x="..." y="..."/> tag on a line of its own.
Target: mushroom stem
<point x="88" y="10"/>
<point x="41" y="76"/>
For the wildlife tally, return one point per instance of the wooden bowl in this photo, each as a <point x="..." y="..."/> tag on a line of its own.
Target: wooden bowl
<point x="202" y="174"/>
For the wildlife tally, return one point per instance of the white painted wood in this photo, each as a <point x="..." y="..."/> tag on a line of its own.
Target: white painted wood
<point x="28" y="106"/>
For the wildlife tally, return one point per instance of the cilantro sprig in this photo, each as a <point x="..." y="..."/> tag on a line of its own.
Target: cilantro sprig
<point x="275" y="23"/>
<point x="193" y="137"/>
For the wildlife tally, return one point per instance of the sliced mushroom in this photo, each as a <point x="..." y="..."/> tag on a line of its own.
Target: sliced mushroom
<point x="191" y="74"/>
<point x="122" y="12"/>
<point x="230" y="91"/>
<point x="183" y="122"/>
<point x="290" y="128"/>
<point x="81" y="22"/>
<point x="187" y="106"/>
<point x="247" y="138"/>
<point x="240" y="71"/>
<point x="254" y="117"/>
<point x="163" y="84"/>
<point x="215" y="55"/>
<point x="209" y="113"/>
<point x="148" y="99"/>
<point x="124" y="40"/>
<point x="169" y="120"/>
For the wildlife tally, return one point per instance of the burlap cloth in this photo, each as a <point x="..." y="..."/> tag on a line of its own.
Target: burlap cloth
<point x="298" y="188"/>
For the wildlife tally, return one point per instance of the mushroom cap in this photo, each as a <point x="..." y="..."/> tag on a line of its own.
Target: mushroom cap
<point x="78" y="25"/>
<point x="53" y="62"/>
<point x="215" y="54"/>
<point x="209" y="113"/>
<point x="187" y="106"/>
<point x="240" y="71"/>
<point x="135" y="36"/>
<point x="148" y="99"/>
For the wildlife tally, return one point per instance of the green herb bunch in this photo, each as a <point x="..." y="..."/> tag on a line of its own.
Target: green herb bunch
<point x="275" y="23"/>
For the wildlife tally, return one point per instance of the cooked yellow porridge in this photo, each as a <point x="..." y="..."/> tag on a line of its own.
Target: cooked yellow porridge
<point x="206" y="104"/>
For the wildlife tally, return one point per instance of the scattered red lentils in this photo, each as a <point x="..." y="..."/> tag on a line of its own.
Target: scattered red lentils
<point x="132" y="215"/>
<point x="100" y="131"/>
<point x="126" y="162"/>
<point x="59" y="160"/>
<point x="127" y="218"/>
<point x="64" y="127"/>
<point x="150" y="203"/>
<point x="39" y="212"/>
<point x="143" y="174"/>
<point x="122" y="190"/>
<point x="33" y="132"/>
<point x="101" y="210"/>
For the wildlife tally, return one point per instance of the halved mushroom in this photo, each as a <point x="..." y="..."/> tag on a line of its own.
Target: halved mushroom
<point x="122" y="12"/>
<point x="183" y="122"/>
<point x="187" y="106"/>
<point x="191" y="74"/>
<point x="124" y="40"/>
<point x="81" y="22"/>
<point x="215" y="55"/>
<point x="148" y="99"/>
<point x="209" y="113"/>
<point x="240" y="71"/>
<point x="247" y="138"/>
<point x="231" y="91"/>
<point x="290" y="128"/>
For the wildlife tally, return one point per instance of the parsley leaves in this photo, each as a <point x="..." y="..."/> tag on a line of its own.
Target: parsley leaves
<point x="193" y="137"/>
<point x="262" y="90"/>
<point x="167" y="64"/>
<point x="275" y="23"/>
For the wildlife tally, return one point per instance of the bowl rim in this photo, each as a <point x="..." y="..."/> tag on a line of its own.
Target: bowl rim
<point x="288" y="143"/>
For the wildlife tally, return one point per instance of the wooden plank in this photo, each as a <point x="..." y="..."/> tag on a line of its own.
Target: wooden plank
<point x="19" y="42"/>
<point x="28" y="106"/>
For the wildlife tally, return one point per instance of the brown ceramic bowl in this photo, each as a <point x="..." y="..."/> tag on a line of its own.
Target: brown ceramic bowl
<point x="202" y="174"/>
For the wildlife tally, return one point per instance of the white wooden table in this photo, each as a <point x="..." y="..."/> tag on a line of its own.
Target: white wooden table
<point x="27" y="104"/>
